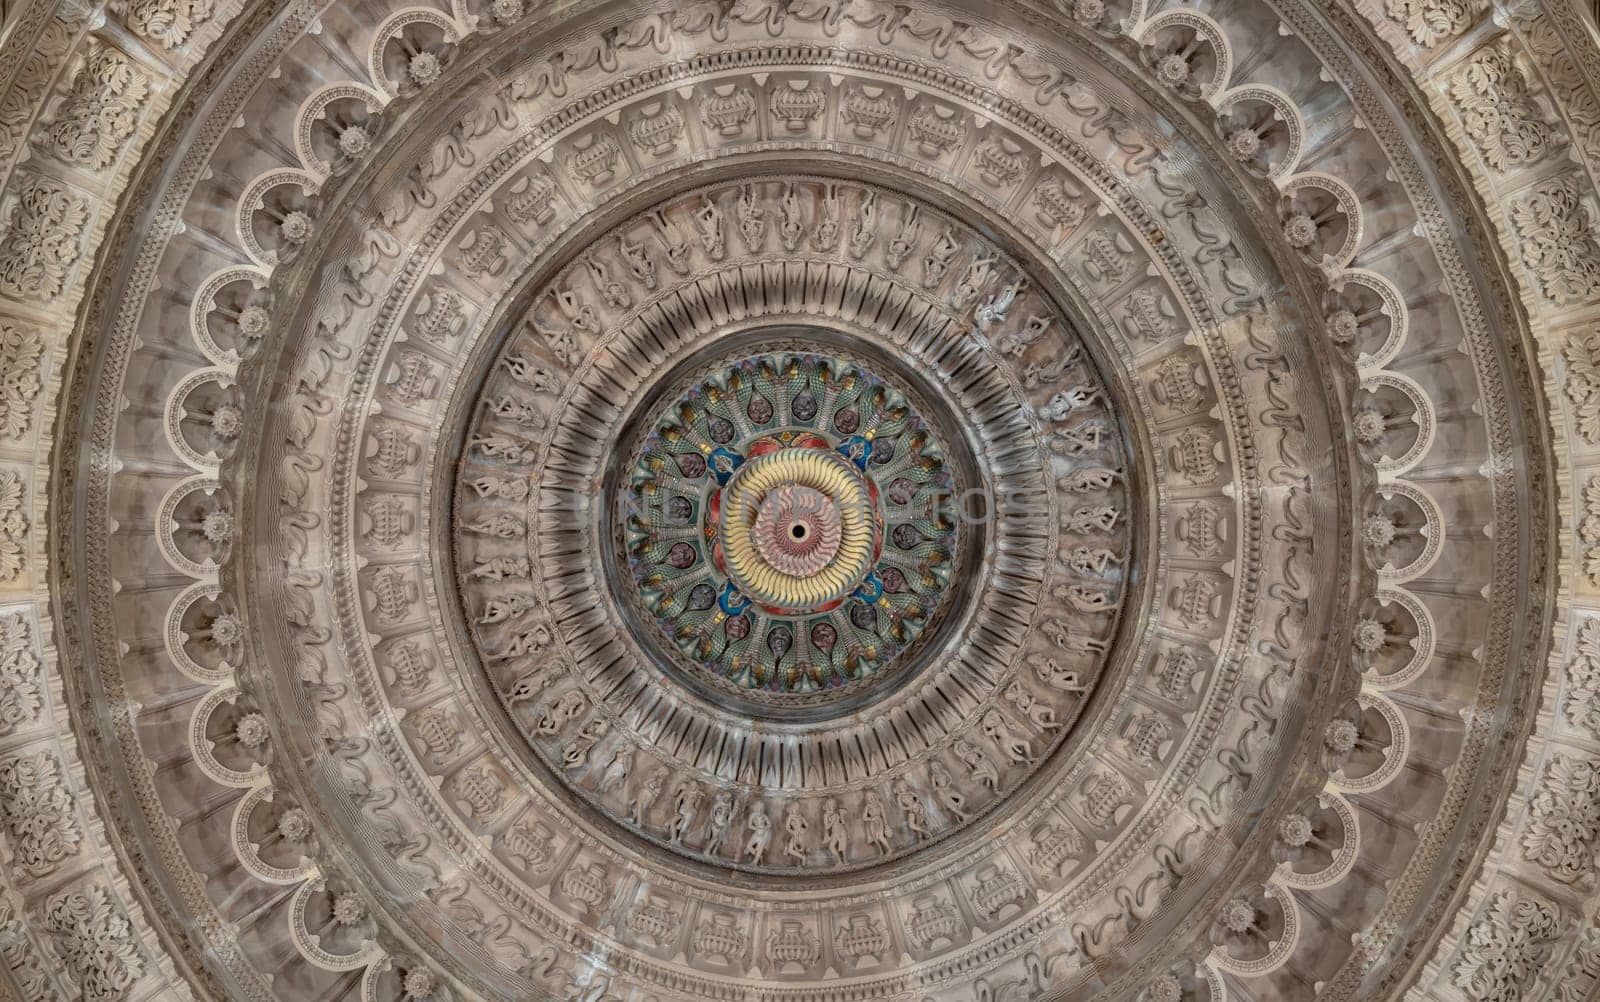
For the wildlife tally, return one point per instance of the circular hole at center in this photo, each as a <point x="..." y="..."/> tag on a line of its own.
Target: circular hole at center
<point x="798" y="530"/>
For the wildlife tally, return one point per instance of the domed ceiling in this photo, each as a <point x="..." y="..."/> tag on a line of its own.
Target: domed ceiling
<point x="800" y="501"/>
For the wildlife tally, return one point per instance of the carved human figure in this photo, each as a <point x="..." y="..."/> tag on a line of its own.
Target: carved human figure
<point x="993" y="310"/>
<point x="576" y="310"/>
<point x="638" y="260"/>
<point x="944" y="790"/>
<point x="616" y="770"/>
<point x="1061" y="635"/>
<point x="1089" y="519"/>
<point x="876" y="821"/>
<point x="500" y="525"/>
<point x="1087" y="436"/>
<point x="673" y="242"/>
<point x="792" y="226"/>
<point x="752" y="219"/>
<point x="864" y="228"/>
<point x="1087" y="600"/>
<point x="977" y="763"/>
<point x="827" y="231"/>
<point x="1011" y="745"/>
<point x="905" y="239"/>
<point x="1091" y="559"/>
<point x="1057" y="675"/>
<point x="912" y="809"/>
<point x="529" y="684"/>
<point x="721" y="821"/>
<point x="760" y="827"/>
<point x="972" y="283"/>
<point x="833" y="829"/>
<point x="795" y="827"/>
<point x="708" y="220"/>
<point x="500" y="608"/>
<point x="648" y="794"/>
<point x="1073" y="398"/>
<point x="500" y="569"/>
<point x="561" y="712"/>
<point x="1036" y="710"/>
<point x="937" y="264"/>
<point x="1071" y="442"/>
<point x="1089" y="478"/>
<point x="532" y="374"/>
<point x="576" y="753"/>
<point x="686" y="806"/>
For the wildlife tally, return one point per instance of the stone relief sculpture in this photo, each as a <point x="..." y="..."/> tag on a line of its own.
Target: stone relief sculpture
<point x="776" y="499"/>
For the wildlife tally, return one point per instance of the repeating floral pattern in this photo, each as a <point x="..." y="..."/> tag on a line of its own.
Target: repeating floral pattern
<point x="1505" y="950"/>
<point x="1583" y="675"/>
<point x="744" y="602"/>
<point x="1558" y="241"/>
<point x="1583" y="383"/>
<point x="1430" y="22"/>
<point x="1498" y="111"/>
<point x="37" y="810"/>
<point x="13" y="526"/>
<point x="1564" y="831"/>
<point x="19" y="674"/>
<point x="168" y="22"/>
<point x="95" y="942"/>
<point x="21" y="355"/>
<point x="100" y="113"/>
<point x="1589" y="530"/>
<point x="42" y="244"/>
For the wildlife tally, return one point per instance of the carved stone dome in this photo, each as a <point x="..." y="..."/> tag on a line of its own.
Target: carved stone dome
<point x="799" y="501"/>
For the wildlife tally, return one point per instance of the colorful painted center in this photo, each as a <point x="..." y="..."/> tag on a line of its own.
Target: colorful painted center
<point x="790" y="522"/>
<point x="797" y="529"/>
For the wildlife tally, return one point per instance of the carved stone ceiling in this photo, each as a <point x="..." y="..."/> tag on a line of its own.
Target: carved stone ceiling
<point x="799" y="500"/>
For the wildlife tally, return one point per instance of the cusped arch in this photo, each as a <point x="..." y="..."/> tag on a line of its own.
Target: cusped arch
<point x="337" y="126"/>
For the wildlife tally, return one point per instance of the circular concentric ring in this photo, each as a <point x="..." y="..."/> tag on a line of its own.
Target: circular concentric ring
<point x="797" y="529"/>
<point x="609" y="446"/>
<point x="790" y="523"/>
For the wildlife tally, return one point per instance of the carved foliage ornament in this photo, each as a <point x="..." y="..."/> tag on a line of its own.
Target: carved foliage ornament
<point x="1564" y="825"/>
<point x="1583" y="680"/>
<point x="1582" y="354"/>
<point x="1498" y="111"/>
<point x="21" y="355"/>
<point x="46" y="225"/>
<point x="1558" y="241"/>
<point x="100" y="112"/>
<point x="1505" y="951"/>
<point x="19" y="674"/>
<point x="1430" y="22"/>
<point x="1589" y="530"/>
<point x="37" y="810"/>
<point x="13" y="526"/>
<point x="168" y="22"/>
<point x="95" y="942"/>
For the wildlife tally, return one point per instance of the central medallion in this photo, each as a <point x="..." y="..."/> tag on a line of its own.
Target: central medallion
<point x="796" y="529"/>
<point x="790" y="522"/>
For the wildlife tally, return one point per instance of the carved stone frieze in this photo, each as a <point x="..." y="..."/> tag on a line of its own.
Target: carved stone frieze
<point x="775" y="500"/>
